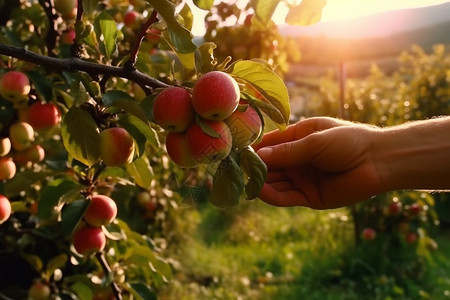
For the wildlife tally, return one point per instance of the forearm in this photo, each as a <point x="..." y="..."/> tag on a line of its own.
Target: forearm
<point x="415" y="155"/>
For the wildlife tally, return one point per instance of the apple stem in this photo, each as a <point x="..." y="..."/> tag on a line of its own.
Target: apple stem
<point x="107" y="269"/>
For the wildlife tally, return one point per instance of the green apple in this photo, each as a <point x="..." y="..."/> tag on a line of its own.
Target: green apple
<point x="245" y="126"/>
<point x="173" y="109"/>
<point x="14" y="86"/>
<point x="39" y="291"/>
<point x="21" y="135"/>
<point x="116" y="147"/>
<point x="35" y="153"/>
<point x="215" y="95"/>
<point x="5" y="209"/>
<point x="88" y="240"/>
<point x="101" y="211"/>
<point x="206" y="147"/>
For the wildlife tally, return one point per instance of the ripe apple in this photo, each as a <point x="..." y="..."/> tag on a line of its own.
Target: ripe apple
<point x="173" y="109"/>
<point x="35" y="153"/>
<point x="21" y="135"/>
<point x="5" y="146"/>
<point x="153" y="34"/>
<point x="178" y="151"/>
<point x="411" y="237"/>
<point x="206" y="148"/>
<point x="102" y="210"/>
<point x="39" y="291"/>
<point x="395" y="208"/>
<point x="215" y="95"/>
<point x="67" y="8"/>
<point x="67" y="37"/>
<point x="369" y="234"/>
<point x="43" y="116"/>
<point x="245" y="126"/>
<point x="5" y="209"/>
<point x="116" y="147"/>
<point x="132" y="19"/>
<point x="88" y="239"/>
<point x="414" y="209"/>
<point x="7" y="168"/>
<point x="14" y="86"/>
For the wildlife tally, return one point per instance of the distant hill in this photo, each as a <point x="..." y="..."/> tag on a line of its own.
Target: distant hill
<point x="327" y="50"/>
<point x="377" y="25"/>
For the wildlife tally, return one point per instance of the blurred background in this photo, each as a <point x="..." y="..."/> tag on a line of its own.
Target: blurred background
<point x="378" y="62"/>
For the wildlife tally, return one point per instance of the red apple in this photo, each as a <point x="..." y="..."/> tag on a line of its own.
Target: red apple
<point x="5" y="146"/>
<point x="132" y="19"/>
<point x="411" y="237"/>
<point x="369" y="234"/>
<point x="67" y="37"/>
<point x="206" y="148"/>
<point x="116" y="147"/>
<point x="178" y="151"/>
<point x="102" y="210"/>
<point x="67" y="8"/>
<point x="215" y="95"/>
<point x="414" y="209"/>
<point x="5" y="209"/>
<point x="14" y="86"/>
<point x="7" y="168"/>
<point x="395" y="208"/>
<point x="153" y="34"/>
<point x="43" y="116"/>
<point x="88" y="239"/>
<point x="21" y="135"/>
<point x="245" y="126"/>
<point x="173" y="109"/>
<point x="39" y="291"/>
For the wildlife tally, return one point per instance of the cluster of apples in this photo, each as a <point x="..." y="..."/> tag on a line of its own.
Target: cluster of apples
<point x="19" y="148"/>
<point x="90" y="238"/>
<point x="206" y="124"/>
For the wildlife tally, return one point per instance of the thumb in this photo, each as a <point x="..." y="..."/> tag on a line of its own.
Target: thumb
<point x="287" y="154"/>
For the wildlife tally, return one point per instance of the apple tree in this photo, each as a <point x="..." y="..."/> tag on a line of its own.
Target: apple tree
<point x="104" y="105"/>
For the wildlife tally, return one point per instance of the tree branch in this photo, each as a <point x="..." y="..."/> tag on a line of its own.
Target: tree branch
<point x="141" y="34"/>
<point x="102" y="260"/>
<point x="76" y="64"/>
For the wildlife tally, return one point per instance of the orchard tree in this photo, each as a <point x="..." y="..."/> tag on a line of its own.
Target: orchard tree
<point x="102" y="104"/>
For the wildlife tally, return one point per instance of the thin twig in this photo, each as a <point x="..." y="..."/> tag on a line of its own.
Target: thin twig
<point x="107" y="269"/>
<point x="141" y="34"/>
<point x="52" y="34"/>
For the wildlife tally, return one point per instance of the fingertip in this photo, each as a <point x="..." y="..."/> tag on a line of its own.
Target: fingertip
<point x="265" y="153"/>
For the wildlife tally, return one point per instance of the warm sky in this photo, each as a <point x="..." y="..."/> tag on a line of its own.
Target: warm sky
<point x="335" y="10"/>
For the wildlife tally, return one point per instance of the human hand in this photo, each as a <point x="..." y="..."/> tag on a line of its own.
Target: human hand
<point x="319" y="163"/>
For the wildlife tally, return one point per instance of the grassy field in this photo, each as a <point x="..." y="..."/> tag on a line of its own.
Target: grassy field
<point x="256" y="251"/>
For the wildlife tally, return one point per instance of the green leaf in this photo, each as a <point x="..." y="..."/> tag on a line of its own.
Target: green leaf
<point x="228" y="184"/>
<point x="141" y="171"/>
<point x="142" y="291"/>
<point x="271" y="111"/>
<point x="204" y="4"/>
<point x="34" y="260"/>
<point x="52" y="193"/>
<point x="82" y="290"/>
<point x="106" y="26"/>
<point x="188" y="17"/>
<point x="180" y="37"/>
<point x="124" y="101"/>
<point x="269" y="86"/>
<point x="204" y="57"/>
<point x="308" y="12"/>
<point x="71" y="215"/>
<point x="42" y="85"/>
<point x="80" y="136"/>
<point x="140" y="130"/>
<point x="265" y="9"/>
<point x="255" y="170"/>
<point x="159" y="265"/>
<point x="57" y="262"/>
